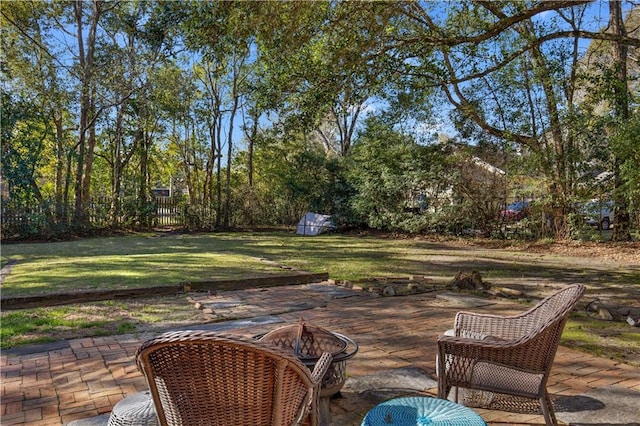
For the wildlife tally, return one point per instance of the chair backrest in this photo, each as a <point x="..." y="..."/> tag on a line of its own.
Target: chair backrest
<point x="545" y="323"/>
<point x="198" y="377"/>
<point x="553" y="307"/>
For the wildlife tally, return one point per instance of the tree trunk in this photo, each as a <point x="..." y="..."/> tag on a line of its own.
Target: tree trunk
<point x="60" y="162"/>
<point x="89" y="156"/>
<point x="219" y="174"/>
<point x="67" y="188"/>
<point x="558" y="166"/>
<point x="227" y="204"/>
<point x="621" y="105"/>
<point x="116" y="170"/>
<point x="252" y="140"/>
<point x="143" y="187"/>
<point x="85" y="144"/>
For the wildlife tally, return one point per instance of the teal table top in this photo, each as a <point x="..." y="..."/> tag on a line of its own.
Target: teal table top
<point x="421" y="411"/>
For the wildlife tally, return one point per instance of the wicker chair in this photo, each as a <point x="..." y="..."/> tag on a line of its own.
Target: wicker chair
<point x="198" y="377"/>
<point x="506" y="357"/>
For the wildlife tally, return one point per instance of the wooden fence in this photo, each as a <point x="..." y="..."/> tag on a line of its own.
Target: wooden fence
<point x="161" y="211"/>
<point x="169" y="211"/>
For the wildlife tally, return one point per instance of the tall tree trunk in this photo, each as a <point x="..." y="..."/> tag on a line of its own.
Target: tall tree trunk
<point x="116" y="186"/>
<point x="558" y="188"/>
<point x="89" y="155"/>
<point x="67" y="188"/>
<point x="227" y="204"/>
<point x="143" y="187"/>
<point x="213" y="151"/>
<point x="210" y="165"/>
<point x="86" y="124"/>
<point x="60" y="163"/>
<point x="187" y="160"/>
<point x="621" y="105"/>
<point x="252" y="140"/>
<point x="116" y="169"/>
<point x="219" y="174"/>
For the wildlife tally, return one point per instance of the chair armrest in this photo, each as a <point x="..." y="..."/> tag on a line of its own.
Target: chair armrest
<point x="480" y="326"/>
<point x="477" y="350"/>
<point x="321" y="367"/>
<point x="519" y="354"/>
<point x="488" y="341"/>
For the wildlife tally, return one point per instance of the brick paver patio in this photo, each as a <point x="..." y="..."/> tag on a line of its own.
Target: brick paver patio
<point x="85" y="377"/>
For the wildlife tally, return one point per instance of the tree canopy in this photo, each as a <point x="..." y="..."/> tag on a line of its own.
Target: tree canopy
<point x="392" y="115"/>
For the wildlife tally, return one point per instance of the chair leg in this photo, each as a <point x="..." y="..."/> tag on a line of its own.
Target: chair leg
<point x="547" y="410"/>
<point x="443" y="387"/>
<point x="325" y="411"/>
<point x="444" y="390"/>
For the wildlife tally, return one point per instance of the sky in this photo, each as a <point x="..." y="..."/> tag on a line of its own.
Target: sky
<point x="596" y="16"/>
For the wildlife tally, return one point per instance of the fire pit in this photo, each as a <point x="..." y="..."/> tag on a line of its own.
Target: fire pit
<point x="308" y="343"/>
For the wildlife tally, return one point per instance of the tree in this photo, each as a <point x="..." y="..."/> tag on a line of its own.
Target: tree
<point x="128" y="74"/>
<point x="222" y="34"/>
<point x="119" y="96"/>
<point x="395" y="178"/>
<point x="75" y="50"/>
<point x="291" y="178"/>
<point x="24" y="138"/>
<point x="537" y="123"/>
<point x="621" y="105"/>
<point x="85" y="15"/>
<point x="624" y="142"/>
<point x="511" y="74"/>
<point x="32" y="66"/>
<point x="609" y="91"/>
<point x="331" y="69"/>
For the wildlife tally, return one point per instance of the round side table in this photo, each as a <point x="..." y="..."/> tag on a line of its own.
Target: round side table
<point x="134" y="410"/>
<point x="421" y="411"/>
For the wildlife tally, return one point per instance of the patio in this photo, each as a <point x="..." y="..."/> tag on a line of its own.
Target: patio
<point x="84" y="378"/>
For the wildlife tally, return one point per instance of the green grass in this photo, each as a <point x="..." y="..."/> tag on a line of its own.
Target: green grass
<point x="126" y="262"/>
<point x="33" y="325"/>
<point x="605" y="339"/>
<point x="145" y="260"/>
<point x="142" y="261"/>
<point x="52" y="323"/>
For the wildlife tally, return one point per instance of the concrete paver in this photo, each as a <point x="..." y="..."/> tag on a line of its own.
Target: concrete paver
<point x="84" y="378"/>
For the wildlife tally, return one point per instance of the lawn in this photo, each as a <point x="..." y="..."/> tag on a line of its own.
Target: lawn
<point x="143" y="260"/>
<point x="151" y="260"/>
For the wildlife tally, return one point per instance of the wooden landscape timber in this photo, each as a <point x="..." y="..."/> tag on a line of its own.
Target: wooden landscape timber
<point x="24" y="302"/>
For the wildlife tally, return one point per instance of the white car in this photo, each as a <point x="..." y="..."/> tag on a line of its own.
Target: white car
<point x="598" y="213"/>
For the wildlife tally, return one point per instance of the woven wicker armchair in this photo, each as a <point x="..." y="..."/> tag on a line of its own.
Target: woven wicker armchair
<point x="205" y="378"/>
<point x="509" y="357"/>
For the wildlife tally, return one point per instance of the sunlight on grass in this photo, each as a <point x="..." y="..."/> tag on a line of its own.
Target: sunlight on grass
<point x="606" y="339"/>
<point x="31" y="326"/>
<point x="631" y="338"/>
<point x="126" y="328"/>
<point x="28" y="326"/>
<point x="48" y="275"/>
<point x="146" y="260"/>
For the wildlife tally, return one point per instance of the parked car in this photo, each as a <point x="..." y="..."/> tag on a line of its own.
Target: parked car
<point x="598" y="213"/>
<point x="515" y="211"/>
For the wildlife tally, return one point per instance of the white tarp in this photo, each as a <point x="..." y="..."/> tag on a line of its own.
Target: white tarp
<point x="314" y="224"/>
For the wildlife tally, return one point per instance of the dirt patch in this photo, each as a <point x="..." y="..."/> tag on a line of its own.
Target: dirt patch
<point x="620" y="252"/>
<point x="627" y="252"/>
